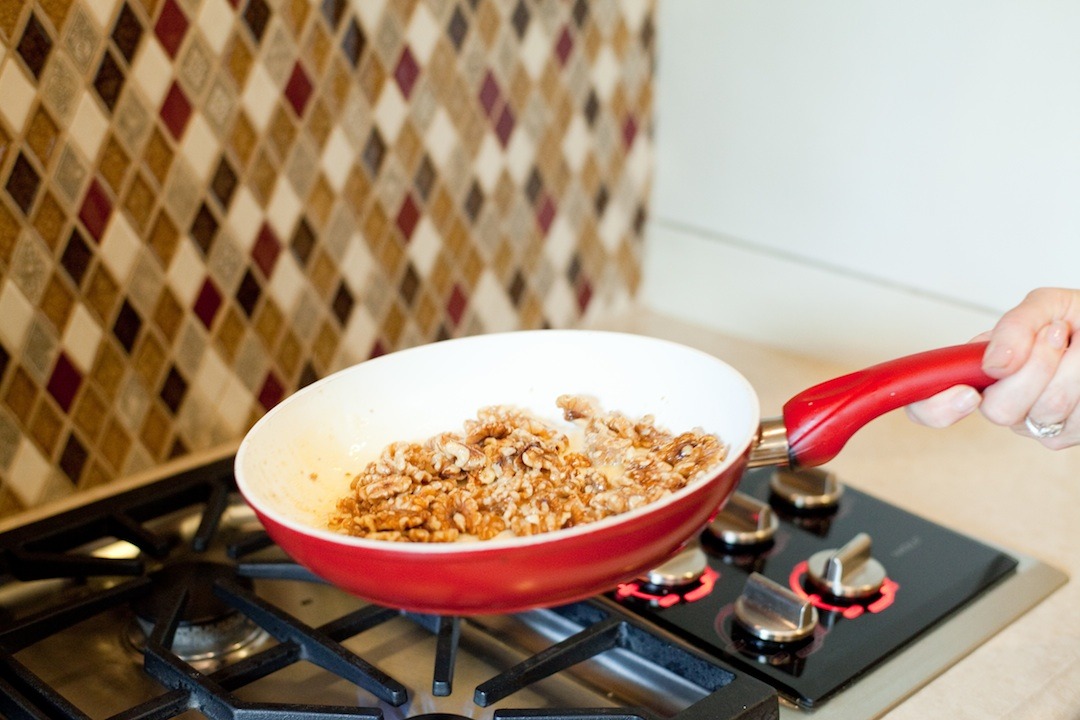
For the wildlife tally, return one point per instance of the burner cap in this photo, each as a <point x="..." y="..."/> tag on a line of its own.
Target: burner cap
<point x="197" y="577"/>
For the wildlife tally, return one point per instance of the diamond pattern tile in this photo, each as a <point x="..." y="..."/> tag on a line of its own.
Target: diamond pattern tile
<point x="208" y="204"/>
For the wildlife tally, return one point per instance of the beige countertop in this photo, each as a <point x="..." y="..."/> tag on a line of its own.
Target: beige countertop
<point x="975" y="478"/>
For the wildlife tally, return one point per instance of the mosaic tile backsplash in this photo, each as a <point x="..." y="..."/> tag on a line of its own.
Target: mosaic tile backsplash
<point x="208" y="204"/>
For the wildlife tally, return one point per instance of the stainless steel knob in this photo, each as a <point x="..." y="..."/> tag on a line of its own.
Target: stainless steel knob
<point x="847" y="572"/>
<point x="769" y="611"/>
<point x="807" y="489"/>
<point x="744" y="522"/>
<point x="683" y="568"/>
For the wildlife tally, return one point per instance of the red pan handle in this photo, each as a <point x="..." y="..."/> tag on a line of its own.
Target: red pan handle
<point x="821" y="419"/>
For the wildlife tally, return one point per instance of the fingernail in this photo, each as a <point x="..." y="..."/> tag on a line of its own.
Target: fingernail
<point x="966" y="400"/>
<point x="997" y="356"/>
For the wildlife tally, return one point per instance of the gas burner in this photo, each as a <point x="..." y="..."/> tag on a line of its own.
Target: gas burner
<point x="209" y="632"/>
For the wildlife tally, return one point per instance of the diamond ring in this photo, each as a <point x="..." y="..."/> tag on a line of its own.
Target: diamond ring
<point x="1044" y="431"/>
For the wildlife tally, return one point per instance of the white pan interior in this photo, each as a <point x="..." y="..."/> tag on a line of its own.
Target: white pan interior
<point x="295" y="462"/>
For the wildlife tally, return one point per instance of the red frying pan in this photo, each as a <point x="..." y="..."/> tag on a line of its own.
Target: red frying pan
<point x="295" y="462"/>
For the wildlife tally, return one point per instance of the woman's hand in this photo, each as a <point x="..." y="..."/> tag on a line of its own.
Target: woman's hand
<point x="1033" y="356"/>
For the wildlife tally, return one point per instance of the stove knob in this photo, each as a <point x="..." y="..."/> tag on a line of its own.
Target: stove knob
<point x="810" y="489"/>
<point x="744" y="522"/>
<point x="848" y="572"/>
<point x="769" y="611"/>
<point x="683" y="568"/>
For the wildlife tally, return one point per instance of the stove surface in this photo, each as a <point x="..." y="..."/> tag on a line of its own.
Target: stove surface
<point x="86" y="630"/>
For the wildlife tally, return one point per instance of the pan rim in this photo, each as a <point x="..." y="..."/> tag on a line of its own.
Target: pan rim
<point x="735" y="453"/>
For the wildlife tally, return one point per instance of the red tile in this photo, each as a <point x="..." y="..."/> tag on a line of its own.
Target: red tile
<point x="208" y="303"/>
<point x="564" y="45"/>
<point x="272" y="391"/>
<point x="505" y="125"/>
<point x="406" y="72"/>
<point x="408" y="216"/>
<point x="176" y="111"/>
<point x="490" y="97"/>
<point x="298" y="90"/>
<point x="96" y="210"/>
<point x="266" y="250"/>
<point x="584" y="293"/>
<point x="629" y="130"/>
<point x="455" y="306"/>
<point x="377" y="349"/>
<point x="545" y="213"/>
<point x="64" y="382"/>
<point x="171" y="27"/>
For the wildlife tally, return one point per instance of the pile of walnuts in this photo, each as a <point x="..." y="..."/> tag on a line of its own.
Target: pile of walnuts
<point x="511" y="472"/>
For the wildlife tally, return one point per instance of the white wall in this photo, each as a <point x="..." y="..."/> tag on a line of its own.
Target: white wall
<point x="863" y="178"/>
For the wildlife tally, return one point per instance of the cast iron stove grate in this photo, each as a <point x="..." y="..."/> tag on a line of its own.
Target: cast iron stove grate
<point x="56" y="547"/>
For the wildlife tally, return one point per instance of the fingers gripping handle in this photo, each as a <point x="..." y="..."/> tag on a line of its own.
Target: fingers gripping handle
<point x="821" y="419"/>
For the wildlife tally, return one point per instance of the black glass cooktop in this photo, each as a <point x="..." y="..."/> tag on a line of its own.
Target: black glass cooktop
<point x="931" y="572"/>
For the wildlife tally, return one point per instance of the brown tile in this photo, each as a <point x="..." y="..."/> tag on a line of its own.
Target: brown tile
<point x="323" y="274"/>
<point x="243" y="140"/>
<point x="375" y="225"/>
<point x="238" y="60"/>
<point x="139" y="203"/>
<point x="108" y="370"/>
<point x="21" y="393"/>
<point x="441" y="210"/>
<point x="6" y="146"/>
<point x="319" y="122"/>
<point x="156" y="432"/>
<point x="158" y="156"/>
<point x="89" y="413"/>
<point x="56" y="11"/>
<point x="9" y="17"/>
<point x="268" y="323"/>
<point x="320" y="202"/>
<point x="163" y="238"/>
<point x="150" y="358"/>
<point x="426" y="313"/>
<point x="168" y="315"/>
<point x="339" y="81"/>
<point x="94" y="475"/>
<point x="115" y="445"/>
<point x="393" y="324"/>
<point x="102" y="293"/>
<point x="57" y="302"/>
<point x="295" y="14"/>
<point x="441" y="277"/>
<point x="114" y="164"/>
<point x="317" y="48"/>
<point x="9" y="233"/>
<point x="230" y="333"/>
<point x="10" y="505"/>
<point x="487" y="23"/>
<point x="42" y="134"/>
<point x="325" y="346"/>
<point x="290" y="354"/>
<point x="357" y="189"/>
<point x="372" y="78"/>
<point x="281" y="133"/>
<point x="391" y="256"/>
<point x="50" y="220"/>
<point x="262" y="176"/>
<point x="409" y="147"/>
<point x="46" y="426"/>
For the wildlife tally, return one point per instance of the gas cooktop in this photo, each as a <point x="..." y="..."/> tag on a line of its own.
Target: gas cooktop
<point x="802" y="598"/>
